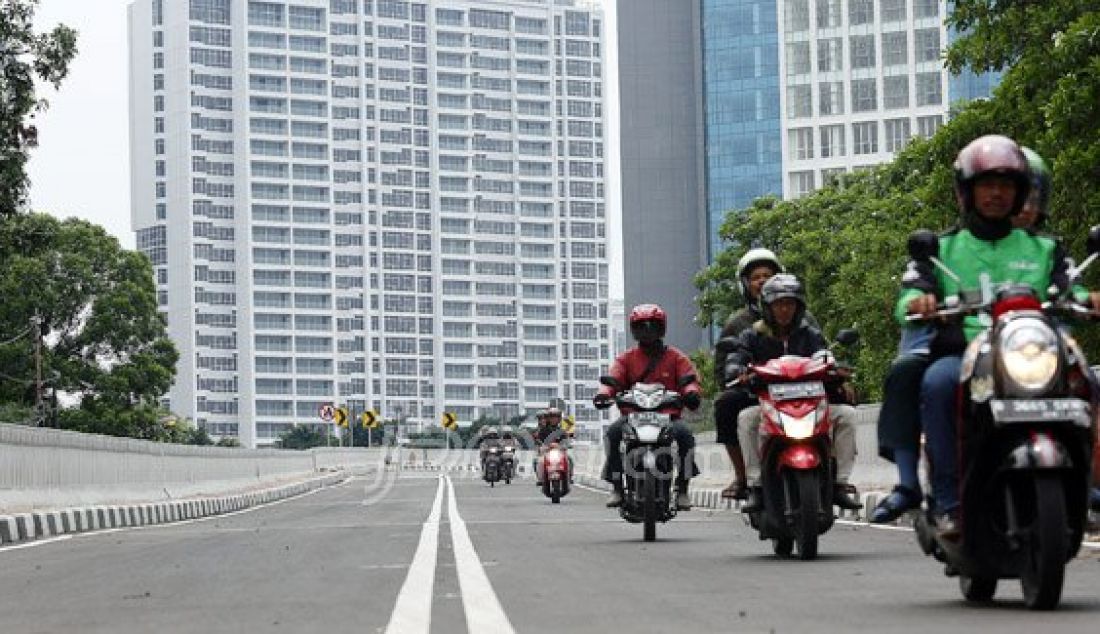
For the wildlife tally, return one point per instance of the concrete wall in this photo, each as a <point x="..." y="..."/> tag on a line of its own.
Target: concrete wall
<point x="49" y="468"/>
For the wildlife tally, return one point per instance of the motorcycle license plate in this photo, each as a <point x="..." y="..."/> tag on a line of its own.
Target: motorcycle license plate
<point x="791" y="391"/>
<point x="649" y="418"/>
<point x="1072" y="410"/>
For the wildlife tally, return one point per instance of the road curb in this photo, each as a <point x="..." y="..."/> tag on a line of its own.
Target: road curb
<point x="25" y="527"/>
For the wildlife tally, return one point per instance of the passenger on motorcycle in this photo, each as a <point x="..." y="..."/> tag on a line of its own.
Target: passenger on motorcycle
<point x="753" y="269"/>
<point x="782" y="331"/>
<point x="548" y="431"/>
<point x="992" y="183"/>
<point x="899" y="425"/>
<point x="651" y="361"/>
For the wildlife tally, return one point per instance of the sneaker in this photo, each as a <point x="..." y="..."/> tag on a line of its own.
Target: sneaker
<point x="947" y="525"/>
<point x="844" y="496"/>
<point x="615" y="499"/>
<point x="754" y="500"/>
<point x="683" y="501"/>
<point x="893" y="506"/>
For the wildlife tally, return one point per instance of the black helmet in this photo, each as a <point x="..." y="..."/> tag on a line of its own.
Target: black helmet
<point x="991" y="155"/>
<point x="778" y="287"/>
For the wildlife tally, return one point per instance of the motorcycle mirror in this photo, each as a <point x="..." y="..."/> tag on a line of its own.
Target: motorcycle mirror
<point x="726" y="344"/>
<point x="686" y="380"/>
<point x="1093" y="243"/>
<point x="609" y="381"/>
<point x="848" y="337"/>
<point x="923" y="245"/>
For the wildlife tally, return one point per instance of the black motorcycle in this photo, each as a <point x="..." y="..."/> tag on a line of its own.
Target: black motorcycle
<point x="649" y="459"/>
<point x="492" y="466"/>
<point x="1026" y="430"/>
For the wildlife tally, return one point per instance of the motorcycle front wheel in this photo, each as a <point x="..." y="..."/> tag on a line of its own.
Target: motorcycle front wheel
<point x="555" y="492"/>
<point x="649" y="507"/>
<point x="1044" y="573"/>
<point x="809" y="505"/>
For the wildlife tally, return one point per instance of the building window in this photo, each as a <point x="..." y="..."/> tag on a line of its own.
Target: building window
<point x="862" y="51"/>
<point x="895" y="92"/>
<point x="832" y="141"/>
<point x="797" y="15"/>
<point x="864" y="97"/>
<point x="798" y="58"/>
<point x="897" y="132"/>
<point x="926" y="45"/>
<point x="861" y="12"/>
<point x="828" y="13"/>
<point x="832" y="176"/>
<point x="799" y="101"/>
<point x="801" y="143"/>
<point x="926" y="8"/>
<point x="927" y="126"/>
<point x="895" y="48"/>
<point x="865" y="137"/>
<point x="830" y="54"/>
<point x="892" y="10"/>
<point x="801" y="183"/>
<point x="929" y="89"/>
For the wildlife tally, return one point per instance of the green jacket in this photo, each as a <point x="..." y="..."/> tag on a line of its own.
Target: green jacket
<point x="1020" y="257"/>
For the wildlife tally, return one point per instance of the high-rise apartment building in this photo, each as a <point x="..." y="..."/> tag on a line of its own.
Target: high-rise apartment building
<point x="389" y="204"/>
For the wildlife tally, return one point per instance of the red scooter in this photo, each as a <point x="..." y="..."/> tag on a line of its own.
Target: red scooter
<point x="796" y="466"/>
<point x="555" y="472"/>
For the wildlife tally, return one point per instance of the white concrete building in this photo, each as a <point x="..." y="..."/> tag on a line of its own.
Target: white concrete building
<point x="387" y="204"/>
<point x="859" y="79"/>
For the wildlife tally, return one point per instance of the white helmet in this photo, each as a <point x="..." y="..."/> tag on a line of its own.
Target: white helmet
<point x="749" y="261"/>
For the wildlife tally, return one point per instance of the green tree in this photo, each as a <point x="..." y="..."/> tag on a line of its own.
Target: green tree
<point x="24" y="57"/>
<point x="302" y="437"/>
<point x="102" y="340"/>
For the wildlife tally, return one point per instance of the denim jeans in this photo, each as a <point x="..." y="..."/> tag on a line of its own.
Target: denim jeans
<point x="938" y="390"/>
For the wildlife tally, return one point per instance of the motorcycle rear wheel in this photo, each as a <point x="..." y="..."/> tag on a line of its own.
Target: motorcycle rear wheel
<point x="809" y="505"/>
<point x="649" y="507"/>
<point x="1044" y="575"/>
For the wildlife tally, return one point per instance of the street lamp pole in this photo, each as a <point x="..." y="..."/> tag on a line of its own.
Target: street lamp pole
<point x="36" y="327"/>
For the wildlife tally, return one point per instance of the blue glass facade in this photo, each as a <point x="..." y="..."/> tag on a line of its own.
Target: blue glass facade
<point x="743" y="131"/>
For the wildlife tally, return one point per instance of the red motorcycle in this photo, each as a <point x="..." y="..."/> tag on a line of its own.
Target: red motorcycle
<point x="555" y="472"/>
<point x="796" y="468"/>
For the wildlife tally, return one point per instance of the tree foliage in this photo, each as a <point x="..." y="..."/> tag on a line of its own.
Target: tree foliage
<point x="302" y="437"/>
<point x="847" y="240"/>
<point x="103" y="342"/>
<point x="24" y="57"/>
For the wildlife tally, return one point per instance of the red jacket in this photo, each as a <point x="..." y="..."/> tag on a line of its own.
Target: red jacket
<point x="629" y="367"/>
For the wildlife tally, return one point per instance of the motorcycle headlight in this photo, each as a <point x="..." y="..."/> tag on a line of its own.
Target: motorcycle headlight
<point x="798" y="427"/>
<point x="648" y="400"/>
<point x="494" y="449"/>
<point x="1029" y="355"/>
<point x="648" y="433"/>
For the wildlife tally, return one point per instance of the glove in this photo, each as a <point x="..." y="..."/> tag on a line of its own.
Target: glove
<point x="603" y="401"/>
<point x="692" y="400"/>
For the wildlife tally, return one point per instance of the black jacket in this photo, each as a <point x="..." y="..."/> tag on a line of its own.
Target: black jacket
<point x="758" y="345"/>
<point x="739" y="322"/>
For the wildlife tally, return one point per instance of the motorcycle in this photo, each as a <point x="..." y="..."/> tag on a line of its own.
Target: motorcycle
<point x="797" y="472"/>
<point x="492" y="466"/>
<point x="649" y="462"/>
<point x="1026" y="426"/>
<point x="555" y="472"/>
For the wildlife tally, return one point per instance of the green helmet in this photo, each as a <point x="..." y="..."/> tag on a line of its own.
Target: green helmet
<point x="1040" y="182"/>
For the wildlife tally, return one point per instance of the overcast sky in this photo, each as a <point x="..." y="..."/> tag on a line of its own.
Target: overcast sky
<point x="81" y="167"/>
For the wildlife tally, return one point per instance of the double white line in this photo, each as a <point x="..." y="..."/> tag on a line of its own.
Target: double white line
<point x="412" y="614"/>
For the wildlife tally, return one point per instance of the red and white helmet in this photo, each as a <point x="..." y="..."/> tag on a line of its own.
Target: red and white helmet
<point x="648" y="322"/>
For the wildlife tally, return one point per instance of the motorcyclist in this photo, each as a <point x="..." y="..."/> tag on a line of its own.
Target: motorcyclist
<point x="992" y="183"/>
<point x="753" y="269"/>
<point x="549" y="430"/>
<point x="781" y="331"/>
<point x="651" y="361"/>
<point x="899" y="426"/>
<point x="488" y="437"/>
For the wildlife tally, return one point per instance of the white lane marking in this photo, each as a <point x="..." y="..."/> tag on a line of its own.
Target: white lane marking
<point x="41" y="542"/>
<point x="908" y="529"/>
<point x="484" y="614"/>
<point x="412" y="613"/>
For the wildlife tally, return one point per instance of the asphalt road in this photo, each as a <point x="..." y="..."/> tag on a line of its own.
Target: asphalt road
<point x="408" y="556"/>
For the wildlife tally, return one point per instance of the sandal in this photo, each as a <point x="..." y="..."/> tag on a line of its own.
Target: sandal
<point x="735" y="491"/>
<point x="900" y="500"/>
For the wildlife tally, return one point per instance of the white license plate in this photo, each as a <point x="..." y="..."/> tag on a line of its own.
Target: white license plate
<point x="791" y="391"/>
<point x="649" y="418"/>
<point x="1040" y="410"/>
